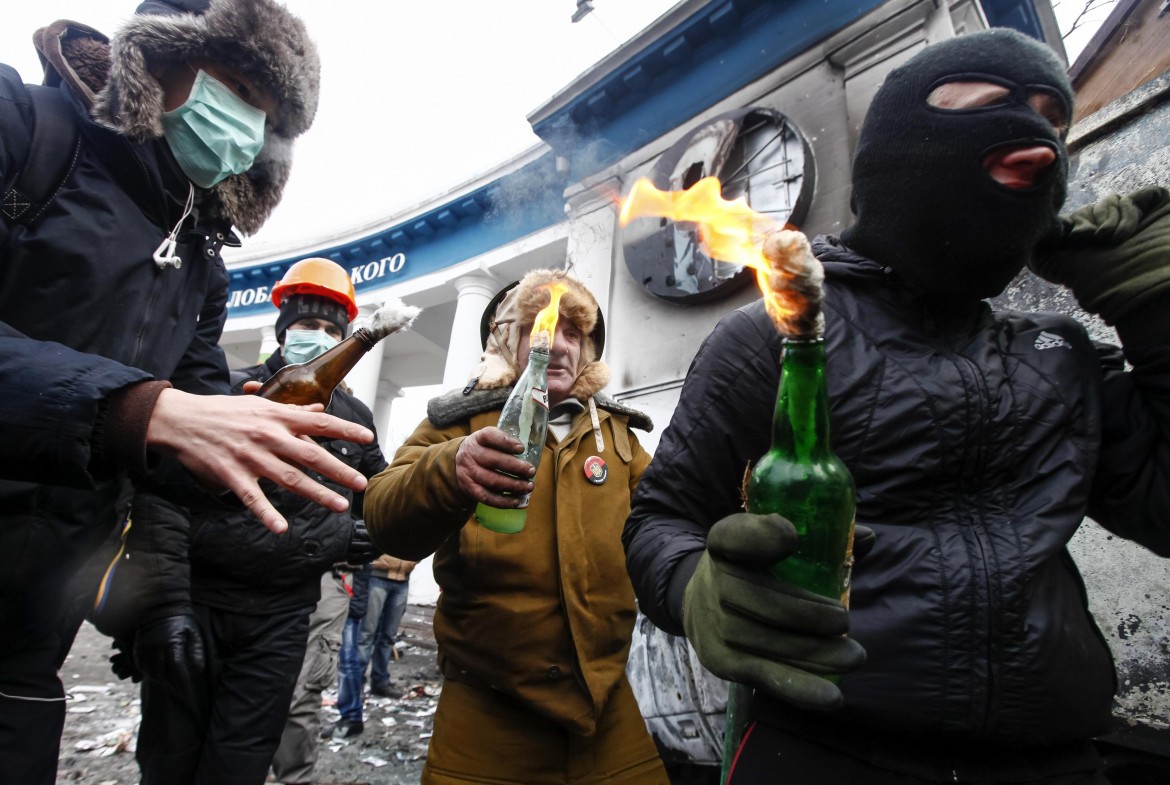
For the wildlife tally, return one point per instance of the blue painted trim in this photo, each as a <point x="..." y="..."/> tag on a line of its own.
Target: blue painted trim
<point x="724" y="46"/>
<point x="716" y="51"/>
<point x="516" y="205"/>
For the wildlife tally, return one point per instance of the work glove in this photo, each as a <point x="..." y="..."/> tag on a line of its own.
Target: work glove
<point x="750" y="627"/>
<point x="1115" y="257"/>
<point x="361" y="548"/>
<point x="169" y="651"/>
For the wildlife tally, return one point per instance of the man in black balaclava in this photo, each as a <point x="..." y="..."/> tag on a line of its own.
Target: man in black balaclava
<point x="978" y="440"/>
<point x="961" y="165"/>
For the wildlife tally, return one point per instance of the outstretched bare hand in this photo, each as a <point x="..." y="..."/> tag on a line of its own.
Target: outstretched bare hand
<point x="487" y="465"/>
<point x="233" y="441"/>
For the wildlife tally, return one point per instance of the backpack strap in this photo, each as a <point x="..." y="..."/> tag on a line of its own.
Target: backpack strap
<point x="53" y="152"/>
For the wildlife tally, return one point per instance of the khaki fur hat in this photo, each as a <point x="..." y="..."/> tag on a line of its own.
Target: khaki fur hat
<point x="515" y="309"/>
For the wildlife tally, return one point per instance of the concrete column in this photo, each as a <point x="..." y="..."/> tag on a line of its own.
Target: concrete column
<point x="475" y="292"/>
<point x="268" y="344"/>
<point x="363" y="379"/>
<point x="383" y="411"/>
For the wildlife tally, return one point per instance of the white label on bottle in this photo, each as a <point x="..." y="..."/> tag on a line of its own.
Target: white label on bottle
<point x="540" y="396"/>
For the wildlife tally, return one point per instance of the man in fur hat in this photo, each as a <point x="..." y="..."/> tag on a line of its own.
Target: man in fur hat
<point x="534" y="627"/>
<point x="122" y="178"/>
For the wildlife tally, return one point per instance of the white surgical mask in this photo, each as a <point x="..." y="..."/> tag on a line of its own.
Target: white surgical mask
<point x="300" y="346"/>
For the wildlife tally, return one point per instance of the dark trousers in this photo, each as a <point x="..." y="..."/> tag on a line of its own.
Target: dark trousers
<point x="768" y="754"/>
<point x="227" y="730"/>
<point x="48" y="577"/>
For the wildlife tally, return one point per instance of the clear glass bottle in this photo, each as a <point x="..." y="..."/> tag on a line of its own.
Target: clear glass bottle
<point x="524" y="417"/>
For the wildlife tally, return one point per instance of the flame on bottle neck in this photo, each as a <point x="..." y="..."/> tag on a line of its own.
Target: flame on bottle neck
<point x="789" y="276"/>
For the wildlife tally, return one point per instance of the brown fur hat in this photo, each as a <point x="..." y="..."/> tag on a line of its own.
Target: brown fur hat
<point x="258" y="38"/>
<point x="498" y="366"/>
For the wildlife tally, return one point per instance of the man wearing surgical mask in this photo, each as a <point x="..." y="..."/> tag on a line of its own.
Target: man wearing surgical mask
<point x="122" y="176"/>
<point x="233" y="624"/>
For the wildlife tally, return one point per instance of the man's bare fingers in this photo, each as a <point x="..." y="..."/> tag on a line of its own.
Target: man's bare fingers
<point x="250" y="387"/>
<point x="316" y="457"/>
<point x="254" y="499"/>
<point x="492" y="437"/>
<point x="326" y="425"/>
<point x="296" y="481"/>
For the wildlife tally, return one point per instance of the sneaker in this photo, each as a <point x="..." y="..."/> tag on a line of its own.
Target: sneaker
<point x="382" y="691"/>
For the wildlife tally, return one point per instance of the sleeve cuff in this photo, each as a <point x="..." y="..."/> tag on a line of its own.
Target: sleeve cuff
<point x="676" y="589"/>
<point x="120" y="436"/>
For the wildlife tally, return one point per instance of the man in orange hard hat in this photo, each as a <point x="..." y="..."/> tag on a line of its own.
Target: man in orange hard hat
<point x="223" y="611"/>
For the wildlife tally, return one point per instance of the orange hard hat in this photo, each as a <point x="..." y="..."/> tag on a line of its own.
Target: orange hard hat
<point x="322" y="277"/>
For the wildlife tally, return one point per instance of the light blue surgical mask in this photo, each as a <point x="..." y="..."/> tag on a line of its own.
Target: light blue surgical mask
<point x="215" y="133"/>
<point x="300" y="346"/>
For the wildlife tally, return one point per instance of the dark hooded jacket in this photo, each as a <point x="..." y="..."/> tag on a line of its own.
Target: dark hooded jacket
<point x="84" y="309"/>
<point x="978" y="445"/>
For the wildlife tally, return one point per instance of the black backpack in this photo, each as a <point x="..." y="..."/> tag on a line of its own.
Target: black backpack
<point x="53" y="151"/>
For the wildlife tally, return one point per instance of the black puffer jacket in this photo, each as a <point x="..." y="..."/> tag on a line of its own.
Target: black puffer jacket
<point x="977" y="449"/>
<point x="228" y="560"/>
<point x="85" y="311"/>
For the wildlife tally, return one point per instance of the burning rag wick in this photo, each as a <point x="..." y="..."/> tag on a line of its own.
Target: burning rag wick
<point x="788" y="274"/>
<point x="392" y="317"/>
<point x="796" y="280"/>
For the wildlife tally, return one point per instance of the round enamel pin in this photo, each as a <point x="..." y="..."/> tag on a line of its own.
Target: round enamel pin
<point x="595" y="470"/>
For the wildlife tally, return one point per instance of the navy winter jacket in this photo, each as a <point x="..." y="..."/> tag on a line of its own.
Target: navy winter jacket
<point x="85" y="311"/>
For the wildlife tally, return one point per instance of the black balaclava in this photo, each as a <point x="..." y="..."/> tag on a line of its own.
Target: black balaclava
<point x="925" y="206"/>
<point x="295" y="307"/>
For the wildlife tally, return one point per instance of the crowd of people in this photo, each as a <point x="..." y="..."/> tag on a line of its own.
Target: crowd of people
<point x="242" y="568"/>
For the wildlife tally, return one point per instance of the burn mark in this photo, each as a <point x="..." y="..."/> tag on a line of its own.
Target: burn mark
<point x="1128" y="626"/>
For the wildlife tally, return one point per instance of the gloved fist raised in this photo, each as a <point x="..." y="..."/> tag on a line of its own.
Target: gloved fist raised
<point x="1114" y="255"/>
<point x="749" y="627"/>
<point x="170" y="651"/>
<point x="361" y="548"/>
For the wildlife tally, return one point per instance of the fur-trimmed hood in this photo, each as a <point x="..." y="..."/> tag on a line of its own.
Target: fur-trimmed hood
<point x="498" y="366"/>
<point x="259" y="38"/>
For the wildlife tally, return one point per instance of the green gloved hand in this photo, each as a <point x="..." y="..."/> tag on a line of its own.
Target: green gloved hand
<point x="1115" y="257"/>
<point x="749" y="627"/>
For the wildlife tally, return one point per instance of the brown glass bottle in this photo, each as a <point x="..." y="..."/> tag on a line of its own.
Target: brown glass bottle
<point x="314" y="381"/>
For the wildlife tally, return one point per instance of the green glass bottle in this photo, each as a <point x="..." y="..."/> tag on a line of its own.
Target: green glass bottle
<point x="801" y="479"/>
<point x="524" y="417"/>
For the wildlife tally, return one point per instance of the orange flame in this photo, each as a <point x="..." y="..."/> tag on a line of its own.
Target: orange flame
<point x="729" y="231"/>
<point x="546" y="320"/>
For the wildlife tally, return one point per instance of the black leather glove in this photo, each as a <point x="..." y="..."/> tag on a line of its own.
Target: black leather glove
<point x="122" y="661"/>
<point x="169" y="651"/>
<point x="749" y="627"/>
<point x="361" y="548"/>
<point x="1115" y="257"/>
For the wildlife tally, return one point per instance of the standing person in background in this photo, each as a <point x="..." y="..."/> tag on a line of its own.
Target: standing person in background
<point x="533" y="628"/>
<point x="389" y="591"/>
<point x="978" y="439"/>
<point x="120" y="186"/>
<point x="296" y="756"/>
<point x="223" y="622"/>
<point x="351" y="671"/>
<point x="385" y="586"/>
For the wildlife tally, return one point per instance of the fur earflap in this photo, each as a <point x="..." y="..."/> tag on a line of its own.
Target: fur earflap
<point x="258" y="38"/>
<point x="498" y="365"/>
